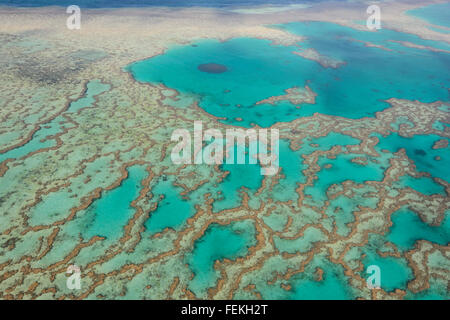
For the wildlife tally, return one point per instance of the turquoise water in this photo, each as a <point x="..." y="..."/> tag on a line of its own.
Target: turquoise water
<point x="42" y="137"/>
<point x="441" y="30"/>
<point x="342" y="169"/>
<point x="423" y="185"/>
<point x="38" y="141"/>
<point x="53" y="207"/>
<point x="438" y="125"/>
<point x="438" y="14"/>
<point x="291" y="162"/>
<point x="94" y="88"/>
<point x="240" y="177"/>
<point x="402" y="120"/>
<point x="172" y="210"/>
<point x="259" y="70"/>
<point x="237" y="236"/>
<point x="58" y="205"/>
<point x="292" y="165"/>
<point x="113" y="210"/>
<point x="105" y="217"/>
<point x="426" y="295"/>
<point x="444" y="107"/>
<point x="407" y="228"/>
<point x="305" y="285"/>
<point x="341" y="209"/>
<point x="419" y="150"/>
<point x="330" y="288"/>
<point x="395" y="272"/>
<point x="327" y="142"/>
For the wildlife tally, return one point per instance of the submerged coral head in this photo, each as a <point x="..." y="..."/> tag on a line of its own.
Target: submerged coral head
<point x="212" y="68"/>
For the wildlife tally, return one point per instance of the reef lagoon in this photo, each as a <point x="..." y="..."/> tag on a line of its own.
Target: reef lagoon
<point x="87" y="178"/>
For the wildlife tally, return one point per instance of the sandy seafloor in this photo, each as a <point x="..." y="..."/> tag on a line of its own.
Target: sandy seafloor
<point x="86" y="176"/>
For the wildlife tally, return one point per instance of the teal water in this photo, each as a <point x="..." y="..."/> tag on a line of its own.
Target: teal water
<point x="291" y="162"/>
<point x="395" y="272"/>
<point x="330" y="288"/>
<point x="423" y="185"/>
<point x="427" y="295"/>
<point x="341" y="209"/>
<point x="444" y="107"/>
<point x="342" y="169"/>
<point x="407" y="228"/>
<point x="327" y="142"/>
<point x="172" y="210"/>
<point x="94" y="88"/>
<point x="258" y="70"/>
<point x="438" y="14"/>
<point x="38" y="141"/>
<point x="53" y="206"/>
<point x="42" y="137"/>
<point x="113" y="210"/>
<point x="243" y="177"/>
<point x="105" y="217"/>
<point x="217" y="243"/>
<point x="438" y="125"/>
<point x="305" y="286"/>
<point x="441" y="30"/>
<point x="58" y="205"/>
<point x="246" y="176"/>
<point x="419" y="149"/>
<point x="402" y="120"/>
